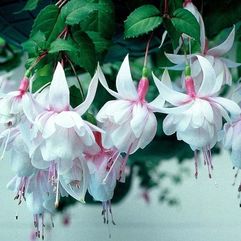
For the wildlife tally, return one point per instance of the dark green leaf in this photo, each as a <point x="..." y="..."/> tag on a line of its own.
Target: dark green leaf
<point x="42" y="77"/>
<point x="75" y="96"/>
<point x="101" y="44"/>
<point x="142" y="20"/>
<point x="50" y="22"/>
<point x="84" y="56"/>
<point x="36" y="44"/>
<point x="185" y="22"/>
<point x="92" y="15"/>
<point x="172" y="32"/>
<point x="62" y="45"/>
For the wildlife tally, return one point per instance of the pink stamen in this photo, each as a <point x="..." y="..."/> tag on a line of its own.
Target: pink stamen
<point x="189" y="84"/>
<point x="143" y="88"/>
<point x="196" y="163"/>
<point x="23" y="85"/>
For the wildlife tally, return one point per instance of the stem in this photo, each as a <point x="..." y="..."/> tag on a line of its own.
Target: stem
<point x="184" y="50"/>
<point x="147" y="50"/>
<point x="41" y="56"/>
<point x="166" y="7"/>
<point x="72" y="67"/>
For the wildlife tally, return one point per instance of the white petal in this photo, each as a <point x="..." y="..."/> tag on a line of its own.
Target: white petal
<point x="236" y="158"/>
<point x="122" y="137"/>
<point x="84" y="106"/>
<point x="175" y="110"/>
<point x="163" y="38"/>
<point x="229" y="130"/>
<point x="166" y="80"/>
<point x="209" y="76"/>
<point x="49" y="126"/>
<point x="31" y="107"/>
<point x="156" y="103"/>
<point x="79" y="173"/>
<point x="207" y="110"/>
<point x="170" y="95"/>
<point x="229" y="63"/>
<point x="229" y="105"/>
<point x="176" y="58"/>
<point x="65" y="119"/>
<point x="59" y="90"/>
<point x="169" y="128"/>
<point x="124" y="83"/>
<point x="149" y="131"/>
<point x="224" y="47"/>
<point x="218" y="84"/>
<point x="105" y="85"/>
<point x="202" y="34"/>
<point x="37" y="160"/>
<point x="138" y="121"/>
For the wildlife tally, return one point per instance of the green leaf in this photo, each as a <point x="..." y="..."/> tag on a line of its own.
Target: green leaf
<point x="30" y="5"/>
<point x="75" y="96"/>
<point x="101" y="44"/>
<point x="36" y="44"/>
<point x="84" y="56"/>
<point x="142" y="20"/>
<point x="61" y="45"/>
<point x="42" y="77"/>
<point x="92" y="15"/>
<point x="185" y="22"/>
<point x="50" y="22"/>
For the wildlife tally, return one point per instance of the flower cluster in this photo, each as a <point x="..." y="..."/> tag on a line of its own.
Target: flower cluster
<point x="54" y="152"/>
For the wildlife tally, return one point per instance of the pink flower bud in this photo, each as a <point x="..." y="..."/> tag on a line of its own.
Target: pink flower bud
<point x="24" y="85"/>
<point x="143" y="88"/>
<point x="189" y="84"/>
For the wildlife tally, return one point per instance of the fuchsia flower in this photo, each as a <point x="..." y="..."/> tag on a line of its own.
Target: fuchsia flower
<point x="106" y="168"/>
<point x="232" y="140"/>
<point x="213" y="55"/>
<point x="129" y="121"/>
<point x="61" y="135"/>
<point x="197" y="117"/>
<point x="38" y="193"/>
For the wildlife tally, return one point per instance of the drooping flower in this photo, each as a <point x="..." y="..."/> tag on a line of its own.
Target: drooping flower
<point x="129" y="121"/>
<point x="38" y="193"/>
<point x="61" y="135"/>
<point x="106" y="168"/>
<point x="213" y="55"/>
<point x="197" y="117"/>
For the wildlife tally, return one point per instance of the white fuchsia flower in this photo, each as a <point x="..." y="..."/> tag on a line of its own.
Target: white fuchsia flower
<point x="197" y="117"/>
<point x="106" y="168"/>
<point x="38" y="193"/>
<point x="213" y="55"/>
<point x="129" y="121"/>
<point x="61" y="135"/>
<point x="232" y="140"/>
